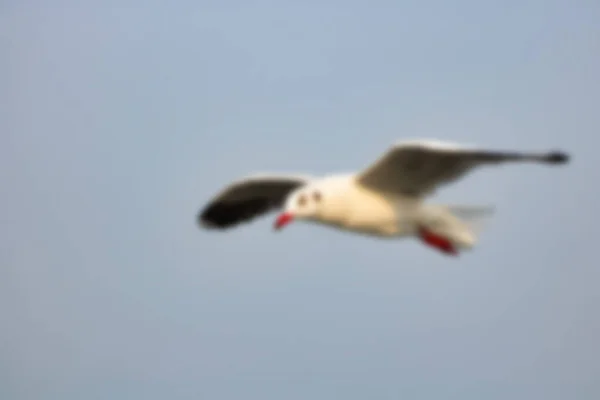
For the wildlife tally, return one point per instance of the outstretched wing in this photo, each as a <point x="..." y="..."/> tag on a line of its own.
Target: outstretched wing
<point x="248" y="198"/>
<point x="419" y="167"/>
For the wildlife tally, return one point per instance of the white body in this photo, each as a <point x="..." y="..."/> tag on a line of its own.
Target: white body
<point x="356" y="208"/>
<point x="352" y="207"/>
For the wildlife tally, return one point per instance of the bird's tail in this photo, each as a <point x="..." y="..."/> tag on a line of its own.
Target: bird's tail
<point x="474" y="218"/>
<point x="454" y="227"/>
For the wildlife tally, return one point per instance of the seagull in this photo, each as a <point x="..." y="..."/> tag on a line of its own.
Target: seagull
<point x="385" y="200"/>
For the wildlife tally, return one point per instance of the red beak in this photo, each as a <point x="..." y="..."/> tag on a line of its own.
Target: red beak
<point x="283" y="220"/>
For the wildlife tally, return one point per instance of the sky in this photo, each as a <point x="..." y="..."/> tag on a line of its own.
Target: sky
<point x="120" y="120"/>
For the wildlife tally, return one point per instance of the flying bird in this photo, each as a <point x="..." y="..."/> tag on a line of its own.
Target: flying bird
<point x="387" y="199"/>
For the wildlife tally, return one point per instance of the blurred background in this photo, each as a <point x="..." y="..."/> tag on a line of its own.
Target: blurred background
<point x="120" y="120"/>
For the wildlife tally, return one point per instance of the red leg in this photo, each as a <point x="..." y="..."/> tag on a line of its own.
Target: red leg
<point x="437" y="241"/>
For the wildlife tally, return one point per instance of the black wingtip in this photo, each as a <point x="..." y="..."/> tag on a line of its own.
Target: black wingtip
<point x="208" y="219"/>
<point x="202" y="221"/>
<point x="222" y="215"/>
<point x="557" y="157"/>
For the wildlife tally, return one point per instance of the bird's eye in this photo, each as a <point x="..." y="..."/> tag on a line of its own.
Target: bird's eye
<point x="301" y="200"/>
<point x="317" y="196"/>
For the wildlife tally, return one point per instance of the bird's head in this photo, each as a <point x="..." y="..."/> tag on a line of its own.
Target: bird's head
<point x="306" y="203"/>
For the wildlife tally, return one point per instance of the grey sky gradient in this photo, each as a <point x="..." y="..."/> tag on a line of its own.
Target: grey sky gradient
<point x="118" y="123"/>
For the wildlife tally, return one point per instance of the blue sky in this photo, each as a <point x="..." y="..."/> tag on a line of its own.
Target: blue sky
<point x="119" y="121"/>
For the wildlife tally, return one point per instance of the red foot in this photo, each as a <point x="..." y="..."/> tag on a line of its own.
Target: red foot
<point x="437" y="241"/>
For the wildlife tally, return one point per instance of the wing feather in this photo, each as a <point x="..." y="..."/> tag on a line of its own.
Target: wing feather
<point x="419" y="167"/>
<point x="248" y="198"/>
